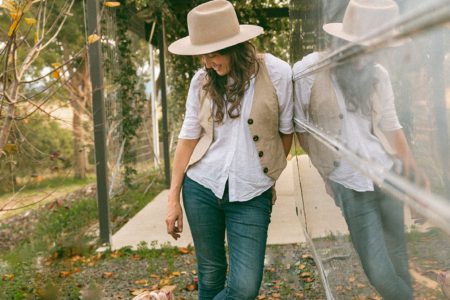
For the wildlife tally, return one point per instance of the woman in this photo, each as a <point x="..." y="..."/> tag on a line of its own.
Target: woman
<point x="354" y="103"/>
<point x="232" y="147"/>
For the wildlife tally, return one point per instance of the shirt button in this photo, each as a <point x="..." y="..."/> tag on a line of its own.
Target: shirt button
<point x="255" y="138"/>
<point x="341" y="116"/>
<point x="250" y="121"/>
<point x="336" y="163"/>
<point x="265" y="170"/>
<point x="260" y="154"/>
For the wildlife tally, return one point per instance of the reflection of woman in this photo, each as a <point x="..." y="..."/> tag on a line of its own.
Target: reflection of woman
<point x="355" y="102"/>
<point x="234" y="140"/>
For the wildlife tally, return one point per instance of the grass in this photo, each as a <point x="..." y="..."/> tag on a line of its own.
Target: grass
<point x="38" y="193"/>
<point x="61" y="233"/>
<point x="52" y="182"/>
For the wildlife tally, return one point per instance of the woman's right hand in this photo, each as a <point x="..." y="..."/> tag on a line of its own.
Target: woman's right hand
<point x="174" y="217"/>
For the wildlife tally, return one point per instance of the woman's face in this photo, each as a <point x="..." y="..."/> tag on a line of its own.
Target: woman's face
<point x="218" y="62"/>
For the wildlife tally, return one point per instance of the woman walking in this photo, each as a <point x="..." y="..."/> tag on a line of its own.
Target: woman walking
<point x="231" y="149"/>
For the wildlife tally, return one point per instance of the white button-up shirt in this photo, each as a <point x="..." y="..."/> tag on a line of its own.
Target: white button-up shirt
<point x="356" y="129"/>
<point x="232" y="155"/>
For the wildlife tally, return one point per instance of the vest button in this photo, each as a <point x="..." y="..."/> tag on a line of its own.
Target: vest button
<point x="250" y="121"/>
<point x="336" y="163"/>
<point x="265" y="170"/>
<point x="255" y="138"/>
<point x="341" y="116"/>
<point x="260" y="154"/>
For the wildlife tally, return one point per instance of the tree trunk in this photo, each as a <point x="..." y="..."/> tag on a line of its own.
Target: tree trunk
<point x="79" y="150"/>
<point x="6" y="127"/>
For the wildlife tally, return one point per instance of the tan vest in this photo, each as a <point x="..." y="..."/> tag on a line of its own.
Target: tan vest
<point x="263" y="123"/>
<point x="325" y="114"/>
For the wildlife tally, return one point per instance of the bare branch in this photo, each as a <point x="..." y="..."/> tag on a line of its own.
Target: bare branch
<point x="64" y="13"/>
<point x="60" y="67"/>
<point x="11" y="199"/>
<point x="39" y="107"/>
<point x="28" y="205"/>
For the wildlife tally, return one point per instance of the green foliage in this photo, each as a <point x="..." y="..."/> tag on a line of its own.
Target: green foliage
<point x="180" y="69"/>
<point x="129" y="95"/>
<point x="40" y="146"/>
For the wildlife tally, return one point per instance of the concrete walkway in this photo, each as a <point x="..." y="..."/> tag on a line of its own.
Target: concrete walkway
<point x="286" y="227"/>
<point x="302" y="203"/>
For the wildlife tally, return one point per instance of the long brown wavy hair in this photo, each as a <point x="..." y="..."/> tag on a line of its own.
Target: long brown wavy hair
<point x="227" y="91"/>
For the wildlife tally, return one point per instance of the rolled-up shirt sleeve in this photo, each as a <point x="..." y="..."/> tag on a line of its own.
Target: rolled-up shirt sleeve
<point x="191" y="128"/>
<point x="389" y="119"/>
<point x="281" y="75"/>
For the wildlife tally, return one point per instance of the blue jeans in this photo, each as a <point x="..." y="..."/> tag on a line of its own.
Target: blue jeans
<point x="246" y="225"/>
<point x="376" y="225"/>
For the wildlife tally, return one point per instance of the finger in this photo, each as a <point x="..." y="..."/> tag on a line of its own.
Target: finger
<point x="180" y="223"/>
<point x="170" y="226"/>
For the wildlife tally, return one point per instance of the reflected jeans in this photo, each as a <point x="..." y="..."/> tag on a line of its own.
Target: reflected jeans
<point x="376" y="225"/>
<point x="245" y="224"/>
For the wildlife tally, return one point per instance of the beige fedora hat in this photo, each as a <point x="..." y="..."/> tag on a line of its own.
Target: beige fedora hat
<point x="213" y="26"/>
<point x="363" y="17"/>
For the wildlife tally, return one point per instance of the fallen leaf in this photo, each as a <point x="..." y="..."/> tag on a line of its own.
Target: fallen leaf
<point x="276" y="295"/>
<point x="307" y="256"/>
<point x="194" y="272"/>
<point x="301" y="266"/>
<point x="136" y="292"/>
<point x="190" y="287"/>
<point x="165" y="281"/>
<point x="168" y="288"/>
<point x="8" y="277"/>
<point x="141" y="282"/>
<point x="360" y="285"/>
<point x="183" y="250"/>
<point x="261" y="297"/>
<point x="176" y="273"/>
<point x="75" y="258"/>
<point x="107" y="274"/>
<point x="64" y="274"/>
<point x="351" y="279"/>
<point x="136" y="257"/>
<point x="115" y="254"/>
<point x="305" y="274"/>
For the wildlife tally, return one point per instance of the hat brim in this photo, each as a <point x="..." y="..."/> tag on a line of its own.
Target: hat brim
<point x="336" y="29"/>
<point x="184" y="46"/>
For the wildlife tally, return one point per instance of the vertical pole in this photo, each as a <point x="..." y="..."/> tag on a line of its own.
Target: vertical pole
<point x="154" y="113"/>
<point x="165" y="126"/>
<point x="98" y="110"/>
